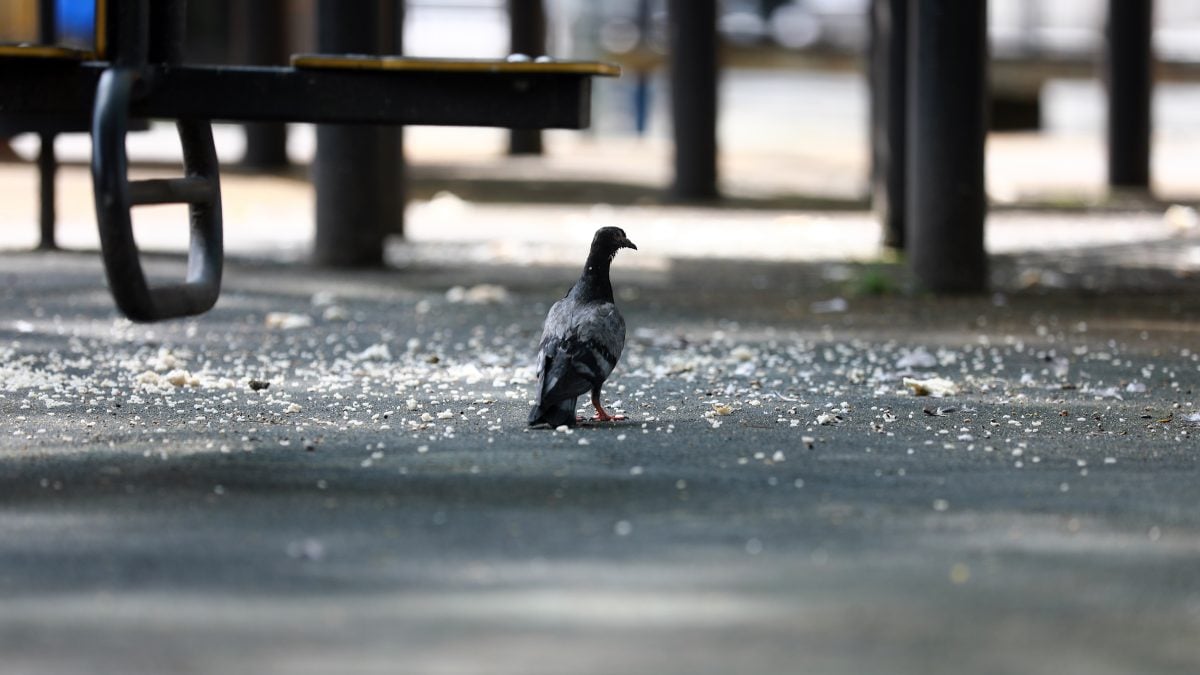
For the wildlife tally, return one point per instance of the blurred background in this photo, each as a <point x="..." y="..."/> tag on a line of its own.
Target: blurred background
<point x="793" y="103"/>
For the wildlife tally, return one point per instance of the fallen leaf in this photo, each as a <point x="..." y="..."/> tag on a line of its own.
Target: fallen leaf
<point x="934" y="386"/>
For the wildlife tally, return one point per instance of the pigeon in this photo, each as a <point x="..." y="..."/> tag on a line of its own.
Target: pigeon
<point x="582" y="339"/>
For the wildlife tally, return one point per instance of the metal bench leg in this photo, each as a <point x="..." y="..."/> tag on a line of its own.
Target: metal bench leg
<point x="115" y="195"/>
<point x="47" y="173"/>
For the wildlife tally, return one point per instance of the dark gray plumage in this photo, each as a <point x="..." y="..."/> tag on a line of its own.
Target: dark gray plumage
<point x="582" y="339"/>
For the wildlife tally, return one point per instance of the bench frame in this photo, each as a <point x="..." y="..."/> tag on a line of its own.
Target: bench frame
<point x="137" y="72"/>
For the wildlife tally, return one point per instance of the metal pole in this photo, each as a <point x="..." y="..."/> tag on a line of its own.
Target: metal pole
<point x="47" y="22"/>
<point x="1128" y="71"/>
<point x="47" y="162"/>
<point x="168" y="27"/>
<point x="260" y="32"/>
<point x="47" y="168"/>
<point x="641" y="73"/>
<point x="947" y="97"/>
<point x="351" y="171"/>
<point x="694" y="97"/>
<point x="527" y="35"/>
<point x="888" y="78"/>
<point x="127" y="33"/>
<point x="391" y="138"/>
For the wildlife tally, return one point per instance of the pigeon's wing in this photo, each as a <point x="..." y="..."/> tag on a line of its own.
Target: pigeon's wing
<point x="600" y="339"/>
<point x="580" y="346"/>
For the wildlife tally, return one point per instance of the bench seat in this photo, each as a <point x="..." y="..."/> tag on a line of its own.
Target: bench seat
<point x="445" y="65"/>
<point x="339" y="90"/>
<point x="32" y="51"/>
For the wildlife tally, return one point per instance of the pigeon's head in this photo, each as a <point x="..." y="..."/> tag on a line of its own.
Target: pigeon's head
<point x="610" y="239"/>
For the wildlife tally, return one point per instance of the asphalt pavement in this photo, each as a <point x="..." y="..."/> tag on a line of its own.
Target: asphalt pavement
<point x="330" y="472"/>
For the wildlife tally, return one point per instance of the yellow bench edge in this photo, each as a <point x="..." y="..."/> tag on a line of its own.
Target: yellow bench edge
<point x="440" y="65"/>
<point x="45" y="52"/>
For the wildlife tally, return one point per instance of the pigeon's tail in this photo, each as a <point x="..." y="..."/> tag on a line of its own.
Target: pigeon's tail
<point x="554" y="415"/>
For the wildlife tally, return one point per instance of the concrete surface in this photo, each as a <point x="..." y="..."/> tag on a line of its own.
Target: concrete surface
<point x="381" y="508"/>
<point x="779" y="502"/>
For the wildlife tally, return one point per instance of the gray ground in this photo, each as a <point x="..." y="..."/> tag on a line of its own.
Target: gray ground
<point x="380" y="507"/>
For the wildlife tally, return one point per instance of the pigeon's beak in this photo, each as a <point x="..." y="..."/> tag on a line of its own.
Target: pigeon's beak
<point x="625" y="243"/>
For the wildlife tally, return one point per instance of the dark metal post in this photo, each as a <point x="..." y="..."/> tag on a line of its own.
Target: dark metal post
<point x="47" y="162"/>
<point x="641" y="71"/>
<point x="355" y="171"/>
<point x="1128" y="72"/>
<point x="888" y="78"/>
<point x="47" y="170"/>
<point x="527" y="35"/>
<point x="391" y="138"/>
<point x="47" y="22"/>
<point x="127" y="33"/>
<point x="168" y="23"/>
<point x="260" y="33"/>
<point x="694" y="97"/>
<point x="947" y="95"/>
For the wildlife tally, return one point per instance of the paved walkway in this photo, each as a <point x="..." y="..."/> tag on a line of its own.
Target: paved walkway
<point x="780" y="500"/>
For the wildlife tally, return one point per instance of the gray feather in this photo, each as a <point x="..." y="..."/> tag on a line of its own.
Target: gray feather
<point x="581" y="343"/>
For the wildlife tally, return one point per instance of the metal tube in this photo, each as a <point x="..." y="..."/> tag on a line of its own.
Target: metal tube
<point x="47" y="22"/>
<point x="888" y="79"/>
<point x="694" y="97"/>
<point x="393" y="184"/>
<point x="189" y="190"/>
<point x="47" y="170"/>
<point x="642" y="94"/>
<point x="260" y="34"/>
<point x="1128" y="72"/>
<point x="527" y="35"/>
<point x="128" y="27"/>
<point x="947" y="97"/>
<point x="168" y="25"/>
<point x="355" y="171"/>
<point x="47" y="162"/>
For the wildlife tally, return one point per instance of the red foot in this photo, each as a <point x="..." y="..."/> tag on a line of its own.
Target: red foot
<point x="602" y="414"/>
<point x="588" y="421"/>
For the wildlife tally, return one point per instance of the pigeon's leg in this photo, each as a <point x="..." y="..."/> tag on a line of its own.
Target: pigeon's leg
<point x="601" y="414"/>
